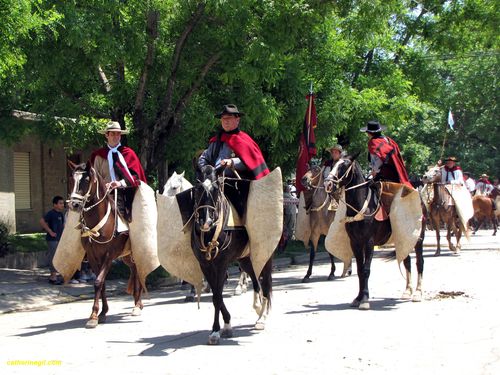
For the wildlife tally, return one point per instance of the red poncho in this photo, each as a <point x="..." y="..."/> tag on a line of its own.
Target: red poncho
<point x="247" y="150"/>
<point x="133" y="164"/>
<point x="388" y="151"/>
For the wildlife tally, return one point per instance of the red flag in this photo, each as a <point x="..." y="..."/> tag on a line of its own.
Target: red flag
<point x="307" y="143"/>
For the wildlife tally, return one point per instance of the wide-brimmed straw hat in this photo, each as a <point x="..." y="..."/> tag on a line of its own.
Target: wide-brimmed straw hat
<point x="113" y="126"/>
<point x="336" y="147"/>
<point x="484" y="175"/>
<point x="451" y="158"/>
<point x="372" y="127"/>
<point x="229" y="109"/>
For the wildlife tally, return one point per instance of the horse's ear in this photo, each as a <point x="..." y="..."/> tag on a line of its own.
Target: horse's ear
<point x="182" y="174"/>
<point x="71" y="165"/>
<point x="355" y="156"/>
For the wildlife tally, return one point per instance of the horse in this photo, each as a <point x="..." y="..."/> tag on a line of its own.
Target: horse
<point x="483" y="210"/>
<point x="217" y="244"/>
<point x="441" y="209"/>
<point x="176" y="184"/>
<point x="364" y="231"/>
<point x="102" y="245"/>
<point x="317" y="204"/>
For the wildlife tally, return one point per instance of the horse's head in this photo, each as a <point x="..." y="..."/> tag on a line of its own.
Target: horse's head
<point x="343" y="173"/>
<point x="207" y="195"/>
<point x="432" y="175"/>
<point x="175" y="184"/>
<point x="312" y="177"/>
<point x="84" y="185"/>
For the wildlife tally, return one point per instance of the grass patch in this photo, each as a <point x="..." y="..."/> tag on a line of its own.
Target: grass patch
<point x="26" y="243"/>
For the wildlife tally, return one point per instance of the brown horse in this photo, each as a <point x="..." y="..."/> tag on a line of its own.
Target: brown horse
<point x="483" y="210"/>
<point x="317" y="204"/>
<point x="102" y="244"/>
<point x="441" y="208"/>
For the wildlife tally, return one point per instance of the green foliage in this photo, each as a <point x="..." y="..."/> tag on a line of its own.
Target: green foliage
<point x="403" y="62"/>
<point x="26" y="243"/>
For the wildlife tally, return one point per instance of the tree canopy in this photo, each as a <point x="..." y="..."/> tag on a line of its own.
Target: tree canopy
<point x="163" y="68"/>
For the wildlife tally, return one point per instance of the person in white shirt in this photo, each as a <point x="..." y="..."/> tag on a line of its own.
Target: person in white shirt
<point x="470" y="184"/>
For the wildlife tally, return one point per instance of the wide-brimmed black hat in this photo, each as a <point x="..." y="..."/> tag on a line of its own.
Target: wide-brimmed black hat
<point x="229" y="109"/>
<point x="451" y="158"/>
<point x="372" y="127"/>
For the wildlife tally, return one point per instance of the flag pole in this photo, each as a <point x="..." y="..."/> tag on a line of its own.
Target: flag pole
<point x="309" y="110"/>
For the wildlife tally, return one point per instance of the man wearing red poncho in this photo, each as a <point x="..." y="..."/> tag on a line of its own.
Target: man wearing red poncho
<point x="119" y="166"/>
<point x="384" y="156"/>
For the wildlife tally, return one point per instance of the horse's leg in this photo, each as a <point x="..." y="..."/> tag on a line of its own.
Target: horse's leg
<point x="435" y="224"/>
<point x="495" y="223"/>
<point x="419" y="254"/>
<point x="98" y="287"/>
<point x="267" y="287"/>
<point x="134" y="286"/>
<point x="105" y="308"/>
<point x="331" y="276"/>
<point x="246" y="265"/>
<point x="242" y="283"/>
<point x="450" y="226"/>
<point x="347" y="271"/>
<point x="216" y="280"/>
<point x="312" y="255"/>
<point x="364" y="301"/>
<point x="358" y="250"/>
<point x="408" y="289"/>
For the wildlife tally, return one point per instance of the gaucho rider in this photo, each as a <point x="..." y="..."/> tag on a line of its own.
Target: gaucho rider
<point x="120" y="168"/>
<point x="234" y="148"/>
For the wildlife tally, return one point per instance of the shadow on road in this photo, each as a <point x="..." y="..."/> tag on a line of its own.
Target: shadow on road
<point x="376" y="304"/>
<point x="165" y="345"/>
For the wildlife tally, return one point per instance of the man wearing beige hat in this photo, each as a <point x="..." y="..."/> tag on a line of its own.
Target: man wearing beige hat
<point x="119" y="166"/>
<point x="336" y="152"/>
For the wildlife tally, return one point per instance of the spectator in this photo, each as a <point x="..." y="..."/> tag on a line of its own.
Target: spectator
<point x="53" y="224"/>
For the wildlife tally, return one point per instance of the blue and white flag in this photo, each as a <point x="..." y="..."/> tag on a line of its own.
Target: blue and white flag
<point x="451" y="122"/>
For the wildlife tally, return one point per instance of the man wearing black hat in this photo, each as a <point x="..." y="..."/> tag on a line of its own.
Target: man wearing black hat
<point x="234" y="148"/>
<point x="384" y="156"/>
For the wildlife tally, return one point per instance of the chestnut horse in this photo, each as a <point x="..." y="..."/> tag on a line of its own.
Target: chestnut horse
<point x="483" y="210"/>
<point x="318" y="202"/>
<point x="441" y="208"/>
<point x="102" y="244"/>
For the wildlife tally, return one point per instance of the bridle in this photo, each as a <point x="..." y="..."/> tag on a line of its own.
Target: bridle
<point x="221" y="205"/>
<point x="316" y="189"/>
<point x="81" y="201"/>
<point x="360" y="214"/>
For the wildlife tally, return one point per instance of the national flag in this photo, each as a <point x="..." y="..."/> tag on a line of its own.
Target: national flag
<point x="451" y="122"/>
<point x="307" y="143"/>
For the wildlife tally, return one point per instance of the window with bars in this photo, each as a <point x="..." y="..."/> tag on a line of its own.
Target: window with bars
<point x="22" y="180"/>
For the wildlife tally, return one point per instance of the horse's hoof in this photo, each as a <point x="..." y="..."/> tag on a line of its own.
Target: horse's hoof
<point x="306" y="279"/>
<point x="437" y="253"/>
<point x="331" y="277"/>
<point x="355" y="303"/>
<point x="364" y="305"/>
<point x="406" y="295"/>
<point x="238" y="290"/>
<point x="91" y="323"/>
<point x="417" y="297"/>
<point x="213" y="338"/>
<point x="227" y="331"/>
<point x="260" y="326"/>
<point x="136" y="311"/>
<point x="189" y="299"/>
<point x="102" y="319"/>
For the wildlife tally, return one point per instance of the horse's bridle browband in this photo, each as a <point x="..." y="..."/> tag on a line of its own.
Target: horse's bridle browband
<point x="93" y="233"/>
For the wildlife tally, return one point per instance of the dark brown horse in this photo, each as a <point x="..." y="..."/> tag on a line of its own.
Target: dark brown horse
<point x="102" y="244"/>
<point x="317" y="204"/>
<point x="441" y="208"/>
<point x="217" y="243"/>
<point x="483" y="211"/>
<point x="365" y="231"/>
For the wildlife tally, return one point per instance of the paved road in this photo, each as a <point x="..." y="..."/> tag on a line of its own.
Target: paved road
<point x="312" y="329"/>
